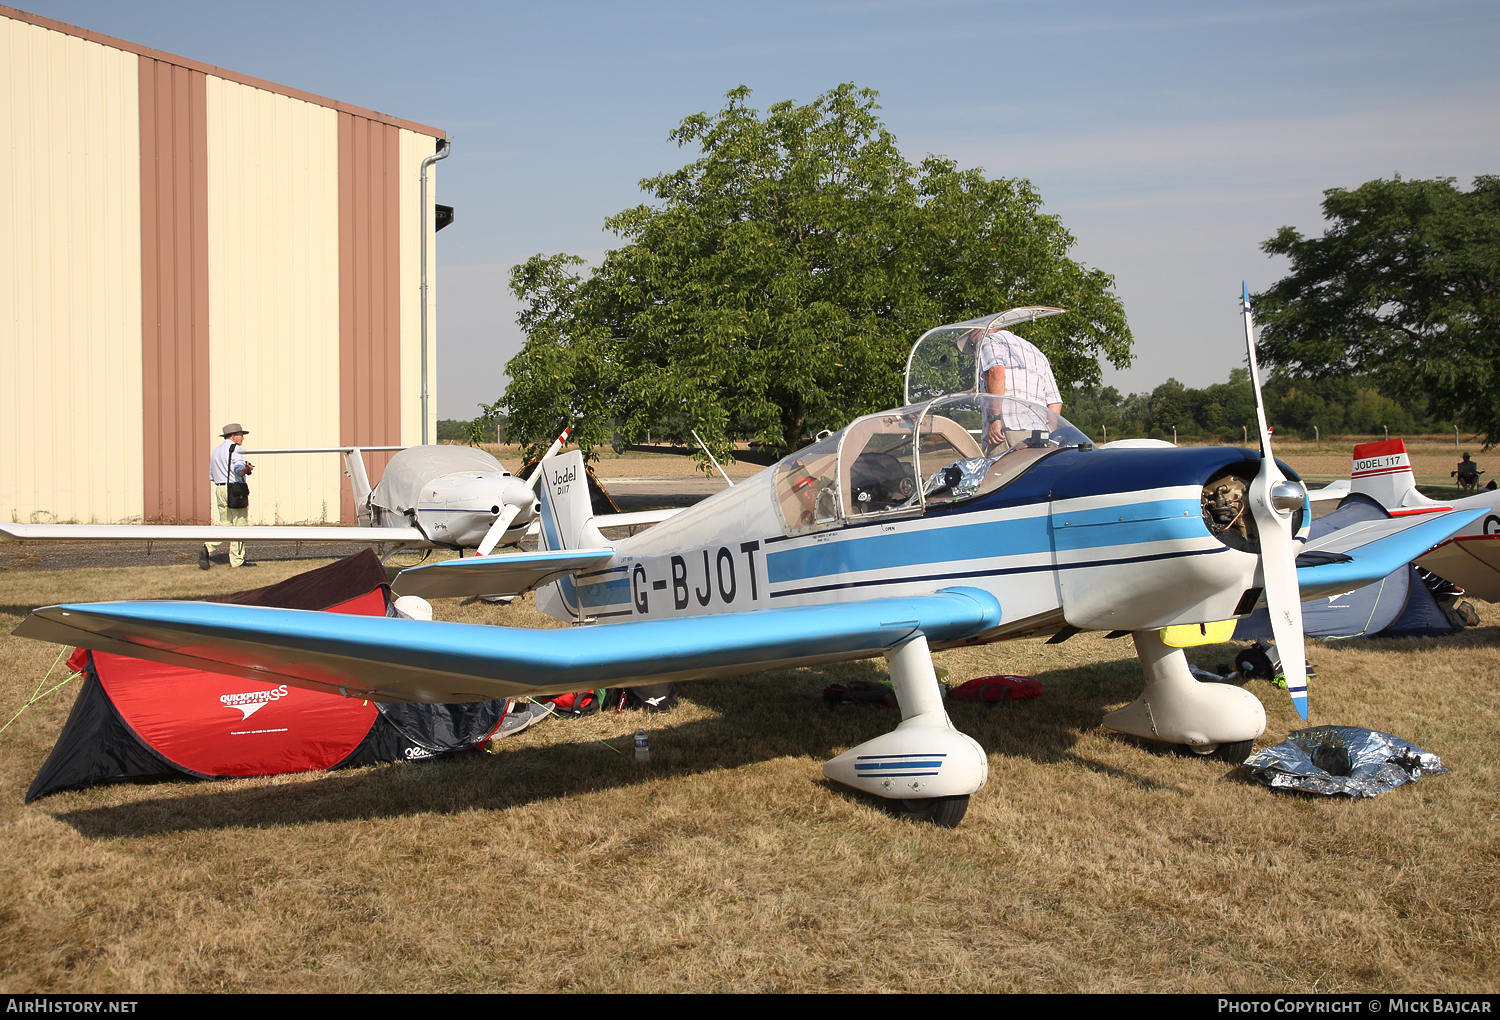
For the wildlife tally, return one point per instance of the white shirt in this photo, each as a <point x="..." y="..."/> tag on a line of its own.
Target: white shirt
<point x="1028" y="374"/>
<point x="218" y="464"/>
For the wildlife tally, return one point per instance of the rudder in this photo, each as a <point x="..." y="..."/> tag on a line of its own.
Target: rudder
<point x="566" y="523"/>
<point x="1383" y="472"/>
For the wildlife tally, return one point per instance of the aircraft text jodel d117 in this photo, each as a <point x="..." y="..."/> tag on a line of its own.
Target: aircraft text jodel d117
<point x="1382" y="472"/>
<point x="446" y="497"/>
<point x="902" y="533"/>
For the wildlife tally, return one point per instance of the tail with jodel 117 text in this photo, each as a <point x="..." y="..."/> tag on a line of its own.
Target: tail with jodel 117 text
<point x="1383" y="472"/>
<point x="566" y="523"/>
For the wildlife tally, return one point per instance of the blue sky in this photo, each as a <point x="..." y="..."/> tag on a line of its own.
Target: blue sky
<point x="1171" y="138"/>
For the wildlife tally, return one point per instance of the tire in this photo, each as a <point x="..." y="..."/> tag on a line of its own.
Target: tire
<point x="1236" y="752"/>
<point x="944" y="812"/>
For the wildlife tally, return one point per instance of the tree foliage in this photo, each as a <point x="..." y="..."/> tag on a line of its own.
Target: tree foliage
<point x="777" y="283"/>
<point x="1403" y="286"/>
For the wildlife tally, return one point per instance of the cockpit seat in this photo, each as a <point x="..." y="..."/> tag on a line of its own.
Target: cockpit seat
<point x="878" y="481"/>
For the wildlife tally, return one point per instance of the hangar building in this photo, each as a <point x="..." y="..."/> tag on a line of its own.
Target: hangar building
<point x="183" y="246"/>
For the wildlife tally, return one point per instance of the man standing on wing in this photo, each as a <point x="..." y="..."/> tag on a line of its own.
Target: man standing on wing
<point x="226" y="464"/>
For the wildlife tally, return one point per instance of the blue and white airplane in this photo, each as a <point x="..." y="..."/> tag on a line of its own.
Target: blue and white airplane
<point x="903" y="533"/>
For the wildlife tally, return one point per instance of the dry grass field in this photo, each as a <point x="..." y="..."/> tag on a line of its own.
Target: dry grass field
<point x="1091" y="862"/>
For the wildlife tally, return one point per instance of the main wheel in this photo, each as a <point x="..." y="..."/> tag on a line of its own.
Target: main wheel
<point x="1236" y="752"/>
<point x="944" y="812"/>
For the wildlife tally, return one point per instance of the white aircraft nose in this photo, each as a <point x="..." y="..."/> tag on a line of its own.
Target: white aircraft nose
<point x="459" y="508"/>
<point x="518" y="493"/>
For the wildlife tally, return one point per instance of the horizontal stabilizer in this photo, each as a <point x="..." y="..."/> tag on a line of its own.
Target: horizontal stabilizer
<point x="409" y="660"/>
<point x="505" y="574"/>
<point x="1333" y="490"/>
<point x="206" y="533"/>
<point x="635" y="518"/>
<point x="1376" y="549"/>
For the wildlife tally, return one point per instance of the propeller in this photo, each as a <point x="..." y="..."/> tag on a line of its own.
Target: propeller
<point x="510" y="510"/>
<point x="1273" y="500"/>
<point x="498" y="529"/>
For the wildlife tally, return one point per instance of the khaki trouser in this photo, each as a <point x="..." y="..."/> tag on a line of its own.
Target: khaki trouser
<point x="224" y="515"/>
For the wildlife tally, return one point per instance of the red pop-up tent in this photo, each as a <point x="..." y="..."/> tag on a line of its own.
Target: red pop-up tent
<point x="137" y="720"/>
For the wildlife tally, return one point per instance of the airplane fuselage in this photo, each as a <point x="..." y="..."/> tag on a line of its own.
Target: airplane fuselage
<point x="1093" y="539"/>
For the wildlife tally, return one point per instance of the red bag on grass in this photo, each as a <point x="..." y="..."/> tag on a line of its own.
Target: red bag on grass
<point x="990" y="689"/>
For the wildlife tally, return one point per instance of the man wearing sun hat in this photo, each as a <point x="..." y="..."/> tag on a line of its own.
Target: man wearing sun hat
<point x="226" y="464"/>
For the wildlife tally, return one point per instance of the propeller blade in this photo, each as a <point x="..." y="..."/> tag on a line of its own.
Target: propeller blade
<point x="536" y="472"/>
<point x="497" y="530"/>
<point x="1273" y="501"/>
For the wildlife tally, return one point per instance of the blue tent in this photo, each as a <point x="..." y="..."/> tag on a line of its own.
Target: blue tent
<point x="1399" y="605"/>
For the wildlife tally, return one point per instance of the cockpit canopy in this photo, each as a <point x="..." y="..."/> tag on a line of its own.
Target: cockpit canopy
<point x="899" y="463"/>
<point x="942" y="360"/>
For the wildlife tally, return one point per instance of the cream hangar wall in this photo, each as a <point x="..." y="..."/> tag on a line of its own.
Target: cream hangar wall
<point x="70" y="279"/>
<point x="273" y="276"/>
<point x="415" y="148"/>
<point x="270" y="237"/>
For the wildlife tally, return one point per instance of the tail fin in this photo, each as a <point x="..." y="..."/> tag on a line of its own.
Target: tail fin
<point x="566" y="523"/>
<point x="567" y="512"/>
<point x="359" y="482"/>
<point x="1383" y="472"/>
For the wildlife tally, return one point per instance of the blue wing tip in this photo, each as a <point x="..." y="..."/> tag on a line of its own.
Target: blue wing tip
<point x="1300" y="704"/>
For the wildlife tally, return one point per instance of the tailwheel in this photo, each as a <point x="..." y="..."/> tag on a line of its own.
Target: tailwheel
<point x="944" y="812"/>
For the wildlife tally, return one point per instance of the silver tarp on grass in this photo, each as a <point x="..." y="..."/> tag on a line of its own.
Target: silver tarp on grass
<point x="1342" y="759"/>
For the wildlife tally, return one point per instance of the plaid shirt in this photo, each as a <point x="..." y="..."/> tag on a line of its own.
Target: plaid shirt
<point x="1028" y="375"/>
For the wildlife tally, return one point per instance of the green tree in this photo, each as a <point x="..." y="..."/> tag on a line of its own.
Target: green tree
<point x="777" y="283"/>
<point x="1171" y="408"/>
<point x="1403" y="287"/>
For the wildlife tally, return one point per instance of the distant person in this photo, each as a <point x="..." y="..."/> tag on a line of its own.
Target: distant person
<point x="226" y="464"/>
<point x="1467" y="473"/>
<point x="1013" y="367"/>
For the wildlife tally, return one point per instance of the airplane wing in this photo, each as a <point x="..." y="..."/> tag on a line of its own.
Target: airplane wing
<point x="1365" y="552"/>
<point x="1470" y="561"/>
<point x="506" y="574"/>
<point x="206" y="533"/>
<point x="409" y="660"/>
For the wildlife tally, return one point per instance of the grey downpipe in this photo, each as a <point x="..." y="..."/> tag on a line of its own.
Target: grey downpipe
<point x="444" y="146"/>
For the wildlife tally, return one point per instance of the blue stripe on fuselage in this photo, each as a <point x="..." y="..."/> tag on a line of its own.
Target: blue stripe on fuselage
<point x="889" y="550"/>
<point x="1158" y="521"/>
<point x="1155" y="521"/>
